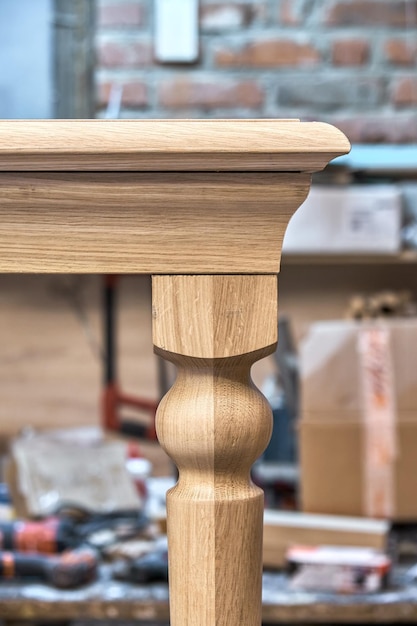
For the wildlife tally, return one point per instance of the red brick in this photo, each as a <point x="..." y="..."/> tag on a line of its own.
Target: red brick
<point x="400" y="52"/>
<point x="352" y="52"/>
<point x="397" y="13"/>
<point x="405" y="91"/>
<point x="287" y="14"/>
<point x="221" y="17"/>
<point x="135" y="94"/>
<point x="269" y="53"/>
<point x="121" y="15"/>
<point x="331" y="92"/>
<point x="184" y="94"/>
<point x="379" y="128"/>
<point x="124" y="54"/>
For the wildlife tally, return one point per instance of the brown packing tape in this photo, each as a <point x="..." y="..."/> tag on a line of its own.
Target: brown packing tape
<point x="330" y="371"/>
<point x="379" y="417"/>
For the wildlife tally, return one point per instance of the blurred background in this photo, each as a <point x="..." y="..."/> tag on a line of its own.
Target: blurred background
<point x="76" y="361"/>
<point x="350" y="63"/>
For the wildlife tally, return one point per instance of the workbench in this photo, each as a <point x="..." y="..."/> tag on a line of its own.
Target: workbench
<point x="111" y="600"/>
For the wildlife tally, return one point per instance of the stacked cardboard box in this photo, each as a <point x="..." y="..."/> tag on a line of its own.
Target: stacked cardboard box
<point x="335" y="444"/>
<point x="368" y="219"/>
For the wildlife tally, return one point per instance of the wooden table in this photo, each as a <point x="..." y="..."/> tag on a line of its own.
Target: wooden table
<point x="203" y="207"/>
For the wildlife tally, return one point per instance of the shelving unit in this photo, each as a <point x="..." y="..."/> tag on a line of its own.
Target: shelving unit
<point x="319" y="286"/>
<point x="405" y="257"/>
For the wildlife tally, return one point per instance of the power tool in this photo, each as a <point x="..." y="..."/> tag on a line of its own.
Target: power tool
<point x="49" y="536"/>
<point x="149" y="568"/>
<point x="68" y="570"/>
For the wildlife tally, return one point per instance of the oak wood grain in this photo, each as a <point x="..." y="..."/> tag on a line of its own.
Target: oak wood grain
<point x="195" y="218"/>
<point x="217" y="318"/>
<point x="214" y="423"/>
<point x="168" y="145"/>
<point x="147" y="223"/>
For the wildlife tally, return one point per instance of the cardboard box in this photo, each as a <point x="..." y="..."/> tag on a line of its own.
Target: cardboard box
<point x="284" y="529"/>
<point x="331" y="374"/>
<point x="341" y="444"/>
<point x="368" y="219"/>
<point x="332" y="469"/>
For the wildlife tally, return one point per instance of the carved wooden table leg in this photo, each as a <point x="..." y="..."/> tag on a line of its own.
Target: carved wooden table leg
<point x="214" y="423"/>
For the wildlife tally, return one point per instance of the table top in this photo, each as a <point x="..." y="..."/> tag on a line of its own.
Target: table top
<point x="154" y="196"/>
<point x="168" y="145"/>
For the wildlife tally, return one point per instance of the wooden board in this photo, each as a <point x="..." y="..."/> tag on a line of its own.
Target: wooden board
<point x="168" y="145"/>
<point x="146" y="223"/>
<point x="284" y="529"/>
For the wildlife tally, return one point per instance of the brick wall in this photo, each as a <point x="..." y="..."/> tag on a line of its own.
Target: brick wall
<point x="350" y="62"/>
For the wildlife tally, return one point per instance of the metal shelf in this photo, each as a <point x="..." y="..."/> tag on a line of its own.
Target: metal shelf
<point x="309" y="258"/>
